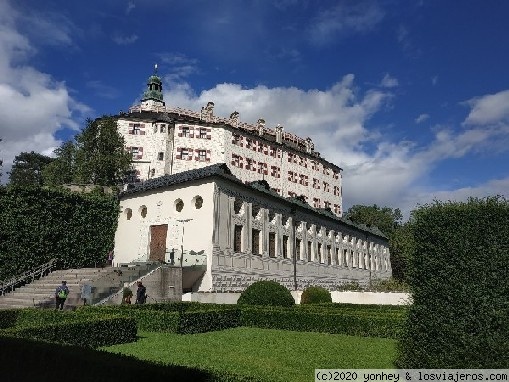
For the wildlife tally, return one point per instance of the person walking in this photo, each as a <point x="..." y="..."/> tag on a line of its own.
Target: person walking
<point x="141" y="293"/>
<point x="61" y="294"/>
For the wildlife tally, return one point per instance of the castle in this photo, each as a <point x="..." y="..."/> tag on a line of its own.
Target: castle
<point x="234" y="202"/>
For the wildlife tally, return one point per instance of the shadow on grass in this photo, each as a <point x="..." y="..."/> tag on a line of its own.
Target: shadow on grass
<point x="25" y="360"/>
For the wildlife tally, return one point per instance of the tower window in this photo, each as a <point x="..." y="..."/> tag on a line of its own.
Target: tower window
<point x="160" y="156"/>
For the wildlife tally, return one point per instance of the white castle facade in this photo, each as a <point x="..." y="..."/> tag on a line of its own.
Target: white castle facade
<point x="233" y="203"/>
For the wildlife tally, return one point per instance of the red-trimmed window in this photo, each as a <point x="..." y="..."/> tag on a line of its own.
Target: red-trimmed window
<point x="275" y="171"/>
<point x="136" y="128"/>
<point x="184" y="153"/>
<point x="137" y="152"/>
<point x="263" y="168"/>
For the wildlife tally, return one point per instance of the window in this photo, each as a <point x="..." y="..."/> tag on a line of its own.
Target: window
<point x="137" y="152"/>
<point x="256" y="242"/>
<point x="160" y="156"/>
<point x="179" y="205"/>
<point x="316" y="184"/>
<point x="329" y="255"/>
<point x="128" y="213"/>
<point x="143" y="211"/>
<point x="262" y="168"/>
<point x="237" y="161"/>
<point x="310" y="244"/>
<point x="285" y="247"/>
<point x="297" y="248"/>
<point x="184" y="153"/>
<point x="326" y="205"/>
<point x="237" y="239"/>
<point x="336" y="191"/>
<point x="152" y="172"/>
<point x="198" y="202"/>
<point x="326" y="187"/>
<point x="292" y="194"/>
<point x="202" y="155"/>
<point x="203" y="133"/>
<point x="162" y="128"/>
<point x="185" y="131"/>
<point x="272" y="244"/>
<point x="316" y="202"/>
<point x="320" y="257"/>
<point x="237" y="140"/>
<point x="135" y="129"/>
<point x="337" y="209"/>
<point x="275" y="171"/>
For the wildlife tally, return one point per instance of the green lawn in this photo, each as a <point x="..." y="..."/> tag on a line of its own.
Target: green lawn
<point x="274" y="355"/>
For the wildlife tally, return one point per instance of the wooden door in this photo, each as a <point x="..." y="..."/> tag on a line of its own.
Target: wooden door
<point x="158" y="242"/>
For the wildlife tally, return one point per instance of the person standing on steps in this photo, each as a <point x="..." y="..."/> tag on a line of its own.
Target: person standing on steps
<point x="61" y="294"/>
<point x="141" y="293"/>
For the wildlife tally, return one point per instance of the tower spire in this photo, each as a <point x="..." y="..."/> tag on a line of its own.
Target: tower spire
<point x="153" y="96"/>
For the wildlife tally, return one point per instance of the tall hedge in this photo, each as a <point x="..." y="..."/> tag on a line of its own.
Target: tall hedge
<point x="37" y="225"/>
<point x="460" y="287"/>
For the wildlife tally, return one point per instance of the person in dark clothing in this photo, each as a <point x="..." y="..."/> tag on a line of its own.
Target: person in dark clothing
<point x="141" y="293"/>
<point x="61" y="294"/>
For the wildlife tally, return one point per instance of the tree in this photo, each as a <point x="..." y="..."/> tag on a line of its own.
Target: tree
<point x="1" y="163"/>
<point x="100" y="155"/>
<point x="400" y="235"/>
<point x="96" y="156"/>
<point x="385" y="218"/>
<point x="28" y="168"/>
<point x="61" y="170"/>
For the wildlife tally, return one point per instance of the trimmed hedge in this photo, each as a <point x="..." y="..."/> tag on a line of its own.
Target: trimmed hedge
<point x="87" y="333"/>
<point x="459" y="280"/>
<point x="315" y="295"/>
<point x="40" y="224"/>
<point x="367" y="324"/>
<point x="207" y="321"/>
<point x="266" y="293"/>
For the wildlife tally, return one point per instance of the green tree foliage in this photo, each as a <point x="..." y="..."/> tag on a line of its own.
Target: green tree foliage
<point x="315" y="295"/>
<point x="37" y="225"/>
<point x="402" y="248"/>
<point x="96" y="156"/>
<point x="100" y="155"/>
<point x="459" y="283"/>
<point x="266" y="293"/>
<point x="27" y="169"/>
<point x="385" y="218"/>
<point x="61" y="170"/>
<point x="389" y="221"/>
<point x="1" y="163"/>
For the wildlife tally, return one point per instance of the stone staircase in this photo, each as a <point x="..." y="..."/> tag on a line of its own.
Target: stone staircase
<point x="104" y="281"/>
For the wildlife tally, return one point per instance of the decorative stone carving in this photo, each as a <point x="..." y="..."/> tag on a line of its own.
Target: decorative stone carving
<point x="279" y="133"/>
<point x="207" y="112"/>
<point x="234" y="118"/>
<point x="310" y="146"/>
<point x="260" y="124"/>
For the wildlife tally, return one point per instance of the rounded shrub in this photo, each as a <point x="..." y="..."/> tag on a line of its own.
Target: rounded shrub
<point x="266" y="293"/>
<point x="315" y="295"/>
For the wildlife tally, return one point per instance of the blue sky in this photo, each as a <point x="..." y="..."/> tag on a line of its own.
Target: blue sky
<point x="410" y="98"/>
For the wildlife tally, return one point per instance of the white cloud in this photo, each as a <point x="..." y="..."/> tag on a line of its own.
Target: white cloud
<point x="33" y="105"/>
<point x="343" y="19"/>
<point x="124" y="40"/>
<point x="389" y="82"/>
<point x="489" y="109"/>
<point x="336" y="119"/>
<point x="421" y="118"/>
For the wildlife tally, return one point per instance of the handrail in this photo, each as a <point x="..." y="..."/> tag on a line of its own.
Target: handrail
<point x="10" y="284"/>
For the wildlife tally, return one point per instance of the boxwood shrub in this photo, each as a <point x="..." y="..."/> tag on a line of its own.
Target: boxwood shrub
<point x="315" y="295"/>
<point x="208" y="320"/>
<point x="266" y="292"/>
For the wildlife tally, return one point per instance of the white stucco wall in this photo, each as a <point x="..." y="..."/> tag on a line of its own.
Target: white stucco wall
<point x="376" y="298"/>
<point x="132" y="239"/>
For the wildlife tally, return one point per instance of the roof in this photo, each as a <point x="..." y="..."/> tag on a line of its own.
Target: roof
<point x="222" y="170"/>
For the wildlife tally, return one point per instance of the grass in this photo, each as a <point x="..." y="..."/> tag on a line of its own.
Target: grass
<point x="267" y="354"/>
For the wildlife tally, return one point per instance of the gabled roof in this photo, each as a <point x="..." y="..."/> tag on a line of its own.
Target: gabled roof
<point x="222" y="170"/>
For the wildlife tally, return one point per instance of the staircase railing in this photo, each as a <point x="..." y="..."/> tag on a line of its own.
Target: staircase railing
<point x="10" y="284"/>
